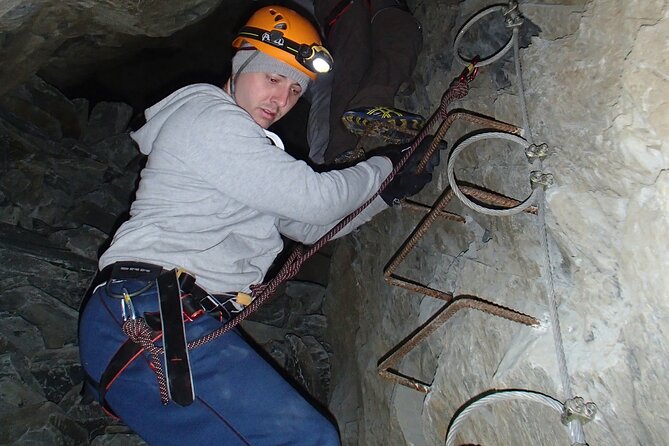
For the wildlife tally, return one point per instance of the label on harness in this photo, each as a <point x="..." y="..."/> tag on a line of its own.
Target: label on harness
<point x="135" y="271"/>
<point x="177" y="366"/>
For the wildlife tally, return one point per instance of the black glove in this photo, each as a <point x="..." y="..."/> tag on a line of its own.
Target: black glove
<point x="407" y="181"/>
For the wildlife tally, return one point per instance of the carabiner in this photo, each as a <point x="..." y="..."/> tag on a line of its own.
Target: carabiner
<point x="127" y="307"/>
<point x="470" y="72"/>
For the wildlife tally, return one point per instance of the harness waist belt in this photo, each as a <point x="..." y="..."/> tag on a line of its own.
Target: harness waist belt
<point x="181" y="299"/>
<point x="198" y="301"/>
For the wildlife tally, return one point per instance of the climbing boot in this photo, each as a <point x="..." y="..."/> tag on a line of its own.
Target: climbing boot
<point x="392" y="125"/>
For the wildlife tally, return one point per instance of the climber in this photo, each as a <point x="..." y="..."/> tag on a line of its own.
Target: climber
<point x="376" y="45"/>
<point x="216" y="195"/>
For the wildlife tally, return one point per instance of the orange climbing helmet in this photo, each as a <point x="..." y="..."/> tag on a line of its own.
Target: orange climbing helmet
<point x="284" y="34"/>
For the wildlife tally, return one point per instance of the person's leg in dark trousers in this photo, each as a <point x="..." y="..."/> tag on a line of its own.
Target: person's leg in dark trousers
<point x="240" y="400"/>
<point x="349" y="42"/>
<point x="396" y="42"/>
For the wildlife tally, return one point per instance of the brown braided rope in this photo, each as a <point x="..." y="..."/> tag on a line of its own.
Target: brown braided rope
<point x="261" y="293"/>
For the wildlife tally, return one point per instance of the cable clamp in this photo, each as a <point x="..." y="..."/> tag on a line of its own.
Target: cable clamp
<point x="538" y="178"/>
<point x="537" y="151"/>
<point x="512" y="16"/>
<point x="577" y="409"/>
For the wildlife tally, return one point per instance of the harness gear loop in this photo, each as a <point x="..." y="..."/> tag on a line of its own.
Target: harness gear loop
<point x="126" y="302"/>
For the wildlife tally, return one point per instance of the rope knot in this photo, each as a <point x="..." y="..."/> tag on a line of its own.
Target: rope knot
<point x="139" y="332"/>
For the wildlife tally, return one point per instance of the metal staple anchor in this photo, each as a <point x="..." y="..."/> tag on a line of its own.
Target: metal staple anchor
<point x="577" y="409"/>
<point x="538" y="178"/>
<point x="537" y="151"/>
<point x="512" y="15"/>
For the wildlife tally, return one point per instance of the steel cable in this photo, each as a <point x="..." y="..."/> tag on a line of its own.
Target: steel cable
<point x="575" y="427"/>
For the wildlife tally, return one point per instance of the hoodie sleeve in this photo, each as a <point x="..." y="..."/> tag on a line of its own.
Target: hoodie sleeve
<point x="233" y="153"/>
<point x="309" y="234"/>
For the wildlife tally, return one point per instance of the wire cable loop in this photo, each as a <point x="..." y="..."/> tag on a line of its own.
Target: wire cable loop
<point x="494" y="397"/>
<point x="464" y="199"/>
<point x="495" y="56"/>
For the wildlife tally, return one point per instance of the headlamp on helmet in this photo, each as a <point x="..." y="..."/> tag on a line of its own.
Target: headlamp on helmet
<point x="315" y="57"/>
<point x="284" y="34"/>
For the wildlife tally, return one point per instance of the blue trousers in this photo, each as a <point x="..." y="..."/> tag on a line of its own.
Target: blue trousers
<point x="240" y="399"/>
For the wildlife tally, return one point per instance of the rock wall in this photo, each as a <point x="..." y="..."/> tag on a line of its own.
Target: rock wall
<point x="596" y="75"/>
<point x="77" y="35"/>
<point x="67" y="175"/>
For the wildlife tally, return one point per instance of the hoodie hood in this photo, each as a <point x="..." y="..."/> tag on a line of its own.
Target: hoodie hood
<point x="178" y="105"/>
<point x="158" y="114"/>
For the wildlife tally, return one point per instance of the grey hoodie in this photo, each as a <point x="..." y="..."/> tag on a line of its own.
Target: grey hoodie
<point x="216" y="193"/>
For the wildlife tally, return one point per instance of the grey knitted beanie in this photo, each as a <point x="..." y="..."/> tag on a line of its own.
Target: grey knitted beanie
<point x="259" y="62"/>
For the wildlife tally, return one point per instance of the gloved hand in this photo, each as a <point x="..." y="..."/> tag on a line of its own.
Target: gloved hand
<point x="407" y="181"/>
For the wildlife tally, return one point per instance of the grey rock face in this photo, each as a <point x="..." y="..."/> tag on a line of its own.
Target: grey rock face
<point x="601" y="113"/>
<point x="34" y="34"/>
<point x="48" y="247"/>
<point x="107" y="119"/>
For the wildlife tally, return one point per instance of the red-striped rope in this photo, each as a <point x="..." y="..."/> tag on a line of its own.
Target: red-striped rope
<point x="139" y="332"/>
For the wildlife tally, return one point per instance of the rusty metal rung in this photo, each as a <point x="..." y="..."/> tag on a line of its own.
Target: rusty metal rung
<point x="437" y="320"/>
<point x="387" y="367"/>
<point x="415" y="206"/>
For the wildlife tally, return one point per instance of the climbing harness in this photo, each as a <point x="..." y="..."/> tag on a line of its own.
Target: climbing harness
<point x="177" y="363"/>
<point x="181" y="301"/>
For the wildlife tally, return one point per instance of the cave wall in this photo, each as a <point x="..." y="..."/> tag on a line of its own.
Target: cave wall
<point x="596" y="75"/>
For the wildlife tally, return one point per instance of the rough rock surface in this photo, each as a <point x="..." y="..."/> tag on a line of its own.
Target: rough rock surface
<point x="596" y="80"/>
<point x="147" y="47"/>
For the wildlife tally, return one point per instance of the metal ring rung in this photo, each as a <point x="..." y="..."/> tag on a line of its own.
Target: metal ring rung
<point x="466" y="201"/>
<point x="496" y="56"/>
